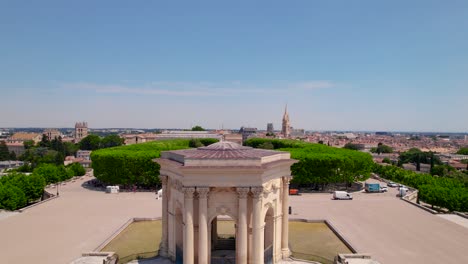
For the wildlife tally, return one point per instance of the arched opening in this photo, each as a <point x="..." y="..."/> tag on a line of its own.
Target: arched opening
<point x="223" y="240"/>
<point x="179" y="236"/>
<point x="269" y="236"/>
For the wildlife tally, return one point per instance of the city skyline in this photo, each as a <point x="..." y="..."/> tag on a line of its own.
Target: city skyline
<point x="339" y="66"/>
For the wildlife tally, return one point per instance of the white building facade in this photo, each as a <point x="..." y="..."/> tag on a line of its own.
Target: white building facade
<point x="250" y="186"/>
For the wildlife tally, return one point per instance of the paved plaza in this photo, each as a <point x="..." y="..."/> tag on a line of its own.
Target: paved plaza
<point x="78" y="221"/>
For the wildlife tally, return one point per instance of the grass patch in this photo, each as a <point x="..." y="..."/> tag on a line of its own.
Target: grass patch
<point x="138" y="240"/>
<point x="308" y="241"/>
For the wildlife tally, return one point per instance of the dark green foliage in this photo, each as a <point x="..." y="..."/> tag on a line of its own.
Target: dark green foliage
<point x="463" y="151"/>
<point x="416" y="156"/>
<point x="50" y="173"/>
<point x="320" y="164"/>
<point x="17" y="190"/>
<point x="266" y="145"/>
<point x="445" y="192"/>
<point x="25" y="168"/>
<point x="442" y="170"/>
<point x="132" y="165"/>
<point x="12" y="197"/>
<point x="28" y="144"/>
<point x="45" y="141"/>
<point x="352" y="146"/>
<point x="112" y="140"/>
<point x="40" y="155"/>
<point x="70" y="149"/>
<point x="54" y="174"/>
<point x="387" y="160"/>
<point x="208" y="141"/>
<point x="195" y="143"/>
<point x="57" y="145"/>
<point x="198" y="128"/>
<point x="31" y="185"/>
<point x="90" y="142"/>
<point x="4" y="153"/>
<point x="381" y="148"/>
<point x="77" y="169"/>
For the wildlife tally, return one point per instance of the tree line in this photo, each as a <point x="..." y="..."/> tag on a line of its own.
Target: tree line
<point x="320" y="165"/>
<point x="17" y="189"/>
<point x="439" y="191"/>
<point x="133" y="165"/>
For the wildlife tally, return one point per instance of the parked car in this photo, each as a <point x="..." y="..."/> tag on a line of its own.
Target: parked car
<point x="392" y="184"/>
<point x="342" y="195"/>
<point x="383" y="189"/>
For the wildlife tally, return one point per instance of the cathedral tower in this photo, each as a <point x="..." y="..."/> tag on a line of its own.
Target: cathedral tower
<point x="286" y="129"/>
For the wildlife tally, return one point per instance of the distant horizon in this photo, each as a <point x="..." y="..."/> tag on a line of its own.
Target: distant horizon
<point x="339" y="66"/>
<point x="213" y="129"/>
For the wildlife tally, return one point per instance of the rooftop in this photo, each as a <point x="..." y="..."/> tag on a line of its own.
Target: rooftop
<point x="225" y="153"/>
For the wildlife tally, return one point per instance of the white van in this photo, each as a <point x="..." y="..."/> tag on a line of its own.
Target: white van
<point x="341" y="195"/>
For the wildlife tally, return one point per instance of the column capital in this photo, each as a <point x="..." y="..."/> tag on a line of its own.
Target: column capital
<point x="163" y="179"/>
<point x="243" y="192"/>
<point x="203" y="192"/>
<point x="287" y="179"/>
<point x="188" y="192"/>
<point x="257" y="191"/>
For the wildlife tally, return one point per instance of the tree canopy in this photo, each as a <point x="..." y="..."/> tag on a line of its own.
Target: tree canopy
<point x="17" y="190"/>
<point x="353" y="146"/>
<point x="198" y="128"/>
<point x="382" y="148"/>
<point x="90" y="142"/>
<point x="450" y="193"/>
<point x="463" y="151"/>
<point x="4" y="153"/>
<point x="132" y="164"/>
<point x="320" y="164"/>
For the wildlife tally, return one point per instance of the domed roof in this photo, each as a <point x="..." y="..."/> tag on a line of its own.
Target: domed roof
<point x="224" y="145"/>
<point x="224" y="153"/>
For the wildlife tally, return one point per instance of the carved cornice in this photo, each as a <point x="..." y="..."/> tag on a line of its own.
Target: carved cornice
<point x="256" y="191"/>
<point x="203" y="192"/>
<point x="243" y="192"/>
<point x="188" y="192"/>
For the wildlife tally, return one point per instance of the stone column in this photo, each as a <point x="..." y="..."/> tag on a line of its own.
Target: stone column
<point x="242" y="235"/>
<point x="285" y="219"/>
<point x="165" y="227"/>
<point x="188" y="227"/>
<point x="257" y="225"/>
<point x="203" y="224"/>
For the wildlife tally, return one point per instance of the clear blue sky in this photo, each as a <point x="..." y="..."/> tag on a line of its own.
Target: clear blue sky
<point x="339" y="65"/>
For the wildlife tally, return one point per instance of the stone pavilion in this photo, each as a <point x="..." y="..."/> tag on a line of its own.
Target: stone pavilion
<point x="250" y="186"/>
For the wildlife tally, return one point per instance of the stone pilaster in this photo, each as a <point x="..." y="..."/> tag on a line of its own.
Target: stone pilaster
<point x="257" y="226"/>
<point x="203" y="224"/>
<point x="189" y="256"/>
<point x="242" y="236"/>
<point x="163" y="251"/>
<point x="285" y="220"/>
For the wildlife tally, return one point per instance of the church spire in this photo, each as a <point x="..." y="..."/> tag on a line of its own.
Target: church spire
<point x="286" y="128"/>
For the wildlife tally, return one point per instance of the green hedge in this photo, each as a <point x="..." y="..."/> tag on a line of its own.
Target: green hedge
<point x="132" y="164"/>
<point x="445" y="192"/>
<point x="321" y="164"/>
